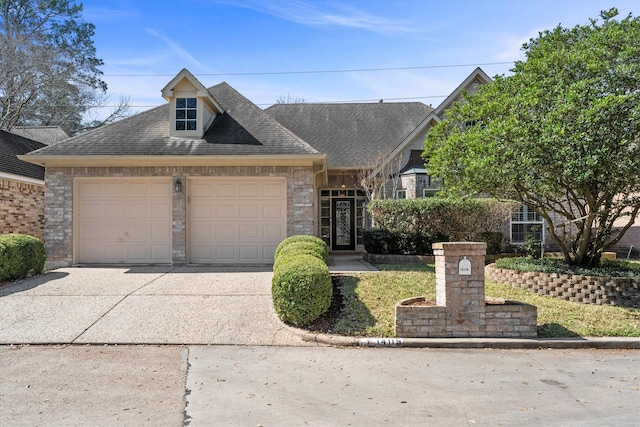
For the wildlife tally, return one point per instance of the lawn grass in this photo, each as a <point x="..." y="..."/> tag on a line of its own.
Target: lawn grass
<point x="370" y="298"/>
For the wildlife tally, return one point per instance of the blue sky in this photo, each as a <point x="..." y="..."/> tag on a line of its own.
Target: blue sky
<point x="249" y="43"/>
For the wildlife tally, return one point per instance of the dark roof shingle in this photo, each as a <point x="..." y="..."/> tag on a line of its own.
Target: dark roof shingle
<point x="243" y="129"/>
<point x="351" y="134"/>
<point x="11" y="146"/>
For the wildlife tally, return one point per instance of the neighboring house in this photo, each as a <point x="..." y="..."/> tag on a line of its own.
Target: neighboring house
<point x="210" y="178"/>
<point x="45" y="134"/>
<point x="21" y="187"/>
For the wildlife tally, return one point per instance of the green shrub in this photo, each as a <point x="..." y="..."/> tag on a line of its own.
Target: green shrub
<point x="608" y="268"/>
<point x="460" y="219"/>
<point x="20" y="256"/>
<point x="380" y="241"/>
<point x="301" y="288"/>
<point x="493" y="239"/>
<point x="302" y="247"/>
<point x="303" y="238"/>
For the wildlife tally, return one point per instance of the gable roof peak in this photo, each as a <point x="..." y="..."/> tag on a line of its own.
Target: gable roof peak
<point x="201" y="90"/>
<point x="477" y="74"/>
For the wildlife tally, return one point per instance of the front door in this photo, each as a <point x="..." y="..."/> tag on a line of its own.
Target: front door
<point x="343" y="230"/>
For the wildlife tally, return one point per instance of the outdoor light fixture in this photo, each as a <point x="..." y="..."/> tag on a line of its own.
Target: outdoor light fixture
<point x="178" y="186"/>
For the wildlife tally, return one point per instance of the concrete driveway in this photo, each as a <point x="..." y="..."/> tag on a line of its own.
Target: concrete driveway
<point x="144" y="305"/>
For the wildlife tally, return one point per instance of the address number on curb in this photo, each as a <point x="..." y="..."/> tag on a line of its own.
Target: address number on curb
<point x="381" y="342"/>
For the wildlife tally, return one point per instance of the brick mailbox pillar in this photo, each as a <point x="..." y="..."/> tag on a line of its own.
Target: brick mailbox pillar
<point x="460" y="287"/>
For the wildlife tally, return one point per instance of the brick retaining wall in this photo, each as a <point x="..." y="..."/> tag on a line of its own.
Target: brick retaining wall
<point x="619" y="291"/>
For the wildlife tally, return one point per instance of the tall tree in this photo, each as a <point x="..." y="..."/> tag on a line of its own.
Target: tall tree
<point x="48" y="66"/>
<point x="560" y="134"/>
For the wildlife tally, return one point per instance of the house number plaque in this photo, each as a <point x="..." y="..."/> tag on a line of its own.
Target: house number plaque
<point x="464" y="267"/>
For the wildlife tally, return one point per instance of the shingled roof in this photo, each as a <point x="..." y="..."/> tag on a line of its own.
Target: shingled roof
<point x="12" y="145"/>
<point x="44" y="134"/>
<point x="243" y="129"/>
<point x="351" y="134"/>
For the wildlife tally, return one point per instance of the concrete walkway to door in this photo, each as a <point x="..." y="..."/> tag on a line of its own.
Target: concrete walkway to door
<point x="149" y="305"/>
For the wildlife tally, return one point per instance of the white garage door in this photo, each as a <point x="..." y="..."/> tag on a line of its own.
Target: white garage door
<point x="123" y="221"/>
<point x="236" y="220"/>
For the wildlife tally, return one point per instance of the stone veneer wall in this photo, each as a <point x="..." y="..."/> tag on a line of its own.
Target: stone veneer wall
<point x="21" y="208"/>
<point x="618" y="291"/>
<point x="58" y="232"/>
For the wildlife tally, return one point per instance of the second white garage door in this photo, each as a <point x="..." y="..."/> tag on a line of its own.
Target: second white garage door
<point x="236" y="220"/>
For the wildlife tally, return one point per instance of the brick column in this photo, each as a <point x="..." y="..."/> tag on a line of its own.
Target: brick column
<point x="459" y="289"/>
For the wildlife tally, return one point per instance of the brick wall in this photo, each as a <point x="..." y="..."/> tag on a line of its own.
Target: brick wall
<point x="461" y="309"/>
<point x="21" y="208"/>
<point x="585" y="289"/>
<point x="59" y="201"/>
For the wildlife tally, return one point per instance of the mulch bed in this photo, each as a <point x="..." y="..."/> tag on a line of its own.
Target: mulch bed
<point x="325" y="323"/>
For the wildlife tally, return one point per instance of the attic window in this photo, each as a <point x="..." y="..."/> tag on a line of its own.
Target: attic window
<point x="186" y="114"/>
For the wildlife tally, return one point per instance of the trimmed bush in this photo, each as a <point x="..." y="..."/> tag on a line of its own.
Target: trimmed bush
<point x="20" y="256"/>
<point x="302" y="247"/>
<point x="303" y="238"/>
<point x="493" y="239"/>
<point x="459" y="219"/>
<point x="301" y="288"/>
<point x="381" y="241"/>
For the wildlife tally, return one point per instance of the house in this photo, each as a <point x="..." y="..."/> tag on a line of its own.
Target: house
<point x="21" y="187"/>
<point x="210" y="178"/>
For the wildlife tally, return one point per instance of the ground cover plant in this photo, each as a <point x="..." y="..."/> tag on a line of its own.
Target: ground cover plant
<point x="368" y="301"/>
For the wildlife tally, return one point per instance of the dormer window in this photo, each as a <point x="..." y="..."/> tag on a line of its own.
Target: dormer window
<point x="186" y="114"/>
<point x="193" y="108"/>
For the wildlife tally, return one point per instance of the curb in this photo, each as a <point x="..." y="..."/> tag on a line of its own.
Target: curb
<point x="461" y="343"/>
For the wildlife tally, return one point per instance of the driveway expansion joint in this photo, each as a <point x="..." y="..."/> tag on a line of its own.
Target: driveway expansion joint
<point x="73" y="341"/>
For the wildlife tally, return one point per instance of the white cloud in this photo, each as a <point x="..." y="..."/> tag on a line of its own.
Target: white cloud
<point x="177" y="50"/>
<point x="336" y="14"/>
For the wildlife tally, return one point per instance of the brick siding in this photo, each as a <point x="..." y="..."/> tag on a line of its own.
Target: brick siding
<point x="21" y="208"/>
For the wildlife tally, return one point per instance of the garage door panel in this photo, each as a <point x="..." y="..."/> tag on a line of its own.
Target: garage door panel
<point x="249" y="190"/>
<point x="270" y="210"/>
<point x="204" y="190"/>
<point x="138" y="253"/>
<point x="161" y="211"/>
<point x="137" y="211"/>
<point x="200" y="211"/>
<point x="224" y="253"/>
<point x="273" y="191"/>
<point x="124" y="220"/>
<point x="160" y="233"/>
<point x="225" y="211"/>
<point x="247" y="215"/>
<point x="225" y="190"/>
<point x="249" y="253"/>
<point x="272" y="232"/>
<point x="113" y="211"/>
<point x="225" y="232"/>
<point x="249" y="211"/>
<point x="250" y="231"/>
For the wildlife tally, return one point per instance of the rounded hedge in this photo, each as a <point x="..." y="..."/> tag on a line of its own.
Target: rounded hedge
<point x="20" y="256"/>
<point x="302" y="247"/>
<point x="301" y="288"/>
<point x="303" y="238"/>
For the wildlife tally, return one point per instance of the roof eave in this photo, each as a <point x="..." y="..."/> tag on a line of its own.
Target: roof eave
<point x="205" y="160"/>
